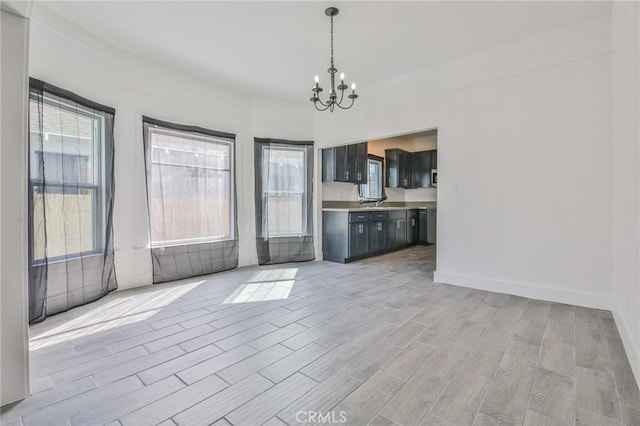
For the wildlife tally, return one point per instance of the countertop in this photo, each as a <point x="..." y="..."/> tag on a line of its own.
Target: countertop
<point x="425" y="206"/>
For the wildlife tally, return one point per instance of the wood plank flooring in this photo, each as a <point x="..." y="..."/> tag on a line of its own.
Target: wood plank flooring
<point x="372" y="342"/>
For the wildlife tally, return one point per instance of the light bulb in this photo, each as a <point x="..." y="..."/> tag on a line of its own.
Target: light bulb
<point x="317" y="79"/>
<point x="353" y="86"/>
<point x="342" y="76"/>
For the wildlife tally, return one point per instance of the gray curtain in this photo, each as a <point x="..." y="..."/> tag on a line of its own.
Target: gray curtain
<point x="191" y="200"/>
<point x="71" y="193"/>
<point x="284" y="200"/>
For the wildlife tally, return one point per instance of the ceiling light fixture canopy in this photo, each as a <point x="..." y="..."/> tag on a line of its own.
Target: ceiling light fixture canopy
<point x="333" y="101"/>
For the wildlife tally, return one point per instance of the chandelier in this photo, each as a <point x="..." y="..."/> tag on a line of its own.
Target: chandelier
<point x="332" y="101"/>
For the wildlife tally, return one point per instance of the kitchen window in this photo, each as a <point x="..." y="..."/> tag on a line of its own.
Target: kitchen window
<point x="190" y="186"/>
<point x="373" y="190"/>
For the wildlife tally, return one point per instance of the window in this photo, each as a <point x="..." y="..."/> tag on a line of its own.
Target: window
<point x="66" y="167"/>
<point x="373" y="189"/>
<point x="190" y="188"/>
<point x="284" y="183"/>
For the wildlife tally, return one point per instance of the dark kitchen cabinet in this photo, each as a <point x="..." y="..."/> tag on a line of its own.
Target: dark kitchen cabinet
<point x="427" y="226"/>
<point x="434" y="159"/>
<point x="347" y="163"/>
<point x="397" y="229"/>
<point x="412" y="227"/>
<point x="352" y="235"/>
<point x="358" y="239"/>
<point x="422" y="227"/>
<point x="397" y="168"/>
<point x="361" y="165"/>
<point x="421" y="169"/>
<point x="431" y="226"/>
<point x="377" y="236"/>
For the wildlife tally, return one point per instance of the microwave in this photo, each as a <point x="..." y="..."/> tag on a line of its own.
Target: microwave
<point x="434" y="178"/>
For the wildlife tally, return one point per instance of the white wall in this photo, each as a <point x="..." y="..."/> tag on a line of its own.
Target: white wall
<point x="524" y="160"/>
<point x="66" y="56"/>
<point x="626" y="179"/>
<point x="14" y="365"/>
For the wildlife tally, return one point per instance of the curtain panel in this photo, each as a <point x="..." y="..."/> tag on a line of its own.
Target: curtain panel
<point x="284" y="200"/>
<point x="191" y="200"/>
<point x="71" y="195"/>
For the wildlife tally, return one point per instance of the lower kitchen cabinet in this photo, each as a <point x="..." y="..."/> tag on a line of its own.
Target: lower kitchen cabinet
<point x="412" y="226"/>
<point x="397" y="229"/>
<point x="427" y="226"/>
<point x="348" y="236"/>
<point x="377" y="236"/>
<point x="358" y="239"/>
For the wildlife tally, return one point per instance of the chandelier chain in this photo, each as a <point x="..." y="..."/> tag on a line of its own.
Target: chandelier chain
<point x="332" y="42"/>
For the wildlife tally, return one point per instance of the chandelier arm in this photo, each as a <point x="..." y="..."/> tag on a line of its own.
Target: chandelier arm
<point x="321" y="109"/>
<point x="322" y="103"/>
<point x="341" y="96"/>
<point x="353" y="101"/>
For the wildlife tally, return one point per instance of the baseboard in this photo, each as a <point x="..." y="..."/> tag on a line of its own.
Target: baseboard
<point x="633" y="353"/>
<point x="550" y="294"/>
<point x="135" y="280"/>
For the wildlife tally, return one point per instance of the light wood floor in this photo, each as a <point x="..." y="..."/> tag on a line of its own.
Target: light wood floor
<point x="372" y="342"/>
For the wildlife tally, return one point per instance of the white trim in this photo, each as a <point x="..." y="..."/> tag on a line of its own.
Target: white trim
<point x="632" y="350"/>
<point x="551" y="294"/>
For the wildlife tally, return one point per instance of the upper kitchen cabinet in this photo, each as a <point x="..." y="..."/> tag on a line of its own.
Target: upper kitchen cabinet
<point x="422" y="163"/>
<point x="347" y="163"/>
<point x="421" y="169"/>
<point x="397" y="168"/>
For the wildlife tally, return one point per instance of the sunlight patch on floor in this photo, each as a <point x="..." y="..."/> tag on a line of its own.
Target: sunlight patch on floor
<point x="126" y="308"/>
<point x="265" y="285"/>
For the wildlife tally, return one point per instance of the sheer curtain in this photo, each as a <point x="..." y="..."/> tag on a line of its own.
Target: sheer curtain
<point x="71" y="158"/>
<point x="191" y="198"/>
<point x="284" y="201"/>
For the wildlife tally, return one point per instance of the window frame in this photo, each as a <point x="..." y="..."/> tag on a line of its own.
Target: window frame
<point x="169" y="129"/>
<point x="98" y="187"/>
<point x="362" y="198"/>
<point x="265" y="185"/>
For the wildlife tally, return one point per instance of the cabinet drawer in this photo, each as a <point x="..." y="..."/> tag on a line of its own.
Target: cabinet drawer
<point x="412" y="213"/>
<point x="378" y="216"/>
<point x="397" y="214"/>
<point x="358" y="217"/>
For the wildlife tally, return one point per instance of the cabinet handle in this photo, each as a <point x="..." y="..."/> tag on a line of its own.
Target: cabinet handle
<point x="346" y="174"/>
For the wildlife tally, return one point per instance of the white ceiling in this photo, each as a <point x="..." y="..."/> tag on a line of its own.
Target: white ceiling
<point x="275" y="48"/>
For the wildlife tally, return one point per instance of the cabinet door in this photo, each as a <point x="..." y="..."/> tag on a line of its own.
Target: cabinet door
<point x="431" y="226"/>
<point x="404" y="168"/>
<point x="361" y="171"/>
<point x="352" y="158"/>
<point x="434" y="159"/>
<point x="391" y="172"/>
<point x="401" y="236"/>
<point x="340" y="164"/>
<point x="422" y="227"/>
<point x="358" y="239"/>
<point x="421" y="169"/>
<point x="392" y="233"/>
<point x="412" y="230"/>
<point x="377" y="236"/>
